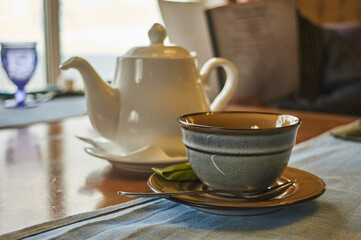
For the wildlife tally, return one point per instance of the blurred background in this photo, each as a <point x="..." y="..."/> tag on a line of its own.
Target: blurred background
<point x="100" y="30"/>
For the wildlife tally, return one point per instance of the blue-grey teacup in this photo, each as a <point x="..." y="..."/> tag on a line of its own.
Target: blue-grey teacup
<point x="241" y="151"/>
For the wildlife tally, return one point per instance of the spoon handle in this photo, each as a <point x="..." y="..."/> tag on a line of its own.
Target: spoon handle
<point x="165" y="194"/>
<point x="267" y="194"/>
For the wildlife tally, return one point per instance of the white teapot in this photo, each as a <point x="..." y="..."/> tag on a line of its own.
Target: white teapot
<point x="153" y="86"/>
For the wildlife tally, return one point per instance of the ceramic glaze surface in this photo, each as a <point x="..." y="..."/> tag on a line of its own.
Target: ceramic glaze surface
<point x="157" y="123"/>
<point x="153" y="86"/>
<point x="230" y="154"/>
<point x="243" y="173"/>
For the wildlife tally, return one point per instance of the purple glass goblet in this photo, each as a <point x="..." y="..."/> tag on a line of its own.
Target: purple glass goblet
<point x="19" y="61"/>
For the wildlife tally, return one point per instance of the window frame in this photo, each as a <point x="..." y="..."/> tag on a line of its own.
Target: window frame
<point x="52" y="43"/>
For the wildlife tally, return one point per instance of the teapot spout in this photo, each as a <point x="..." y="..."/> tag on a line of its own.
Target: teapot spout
<point x="103" y="101"/>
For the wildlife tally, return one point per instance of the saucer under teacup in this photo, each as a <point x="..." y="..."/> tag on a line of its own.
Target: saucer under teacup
<point x="306" y="188"/>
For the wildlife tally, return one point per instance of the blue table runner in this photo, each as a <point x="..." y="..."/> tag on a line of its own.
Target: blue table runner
<point x="53" y="110"/>
<point x="334" y="215"/>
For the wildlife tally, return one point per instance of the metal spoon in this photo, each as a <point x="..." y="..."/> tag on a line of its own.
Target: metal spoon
<point x="267" y="194"/>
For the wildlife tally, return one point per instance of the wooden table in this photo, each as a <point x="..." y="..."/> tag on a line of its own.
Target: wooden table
<point x="45" y="173"/>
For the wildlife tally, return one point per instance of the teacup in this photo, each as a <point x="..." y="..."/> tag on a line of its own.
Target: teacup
<point x="241" y="151"/>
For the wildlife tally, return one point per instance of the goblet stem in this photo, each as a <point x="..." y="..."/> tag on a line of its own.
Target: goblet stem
<point x="20" y="96"/>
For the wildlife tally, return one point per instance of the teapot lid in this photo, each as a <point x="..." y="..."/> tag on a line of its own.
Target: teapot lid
<point x="156" y="35"/>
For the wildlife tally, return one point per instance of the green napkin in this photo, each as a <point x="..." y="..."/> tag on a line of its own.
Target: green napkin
<point x="178" y="172"/>
<point x="352" y="133"/>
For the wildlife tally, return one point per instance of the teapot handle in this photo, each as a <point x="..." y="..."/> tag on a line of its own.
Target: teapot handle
<point x="230" y="84"/>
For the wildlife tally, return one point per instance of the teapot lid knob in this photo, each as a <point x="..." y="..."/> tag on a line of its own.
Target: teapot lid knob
<point x="157" y="34"/>
<point x="157" y="49"/>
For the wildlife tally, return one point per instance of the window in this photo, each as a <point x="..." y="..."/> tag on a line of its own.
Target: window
<point x="21" y="21"/>
<point x="100" y="31"/>
<point x="96" y="30"/>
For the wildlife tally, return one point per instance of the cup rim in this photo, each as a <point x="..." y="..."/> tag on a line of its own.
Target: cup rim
<point x="229" y="130"/>
<point x="18" y="45"/>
